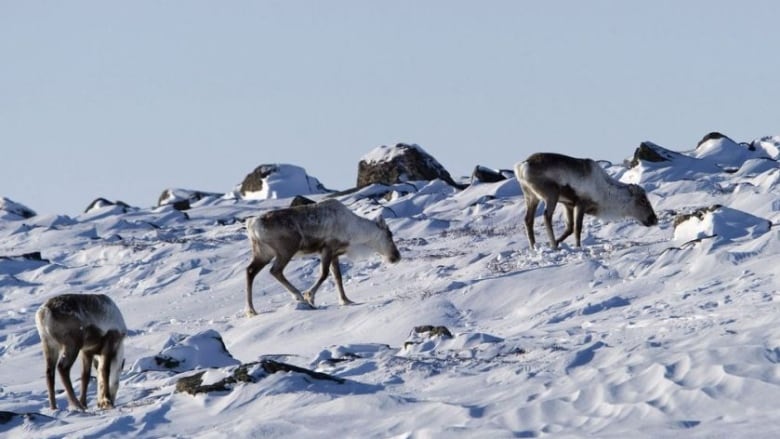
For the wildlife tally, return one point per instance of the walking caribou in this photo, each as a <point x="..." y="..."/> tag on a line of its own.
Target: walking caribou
<point x="92" y="325"/>
<point x="582" y="186"/>
<point x="328" y="228"/>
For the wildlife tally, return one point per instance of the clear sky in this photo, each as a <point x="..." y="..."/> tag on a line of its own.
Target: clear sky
<point x="125" y="99"/>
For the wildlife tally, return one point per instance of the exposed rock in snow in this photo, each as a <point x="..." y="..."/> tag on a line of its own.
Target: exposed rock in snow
<point x="719" y="222"/>
<point x="399" y="164"/>
<point x="183" y="199"/>
<point x="726" y="153"/>
<point x="182" y="353"/>
<point x="487" y="175"/>
<point x="101" y="203"/>
<point x="279" y="181"/>
<point x="11" y="210"/>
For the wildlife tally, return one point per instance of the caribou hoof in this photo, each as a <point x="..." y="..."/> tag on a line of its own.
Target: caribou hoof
<point x="308" y="298"/>
<point x="346" y="302"/>
<point x="251" y="312"/>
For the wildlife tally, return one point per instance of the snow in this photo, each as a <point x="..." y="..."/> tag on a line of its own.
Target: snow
<point x="666" y="331"/>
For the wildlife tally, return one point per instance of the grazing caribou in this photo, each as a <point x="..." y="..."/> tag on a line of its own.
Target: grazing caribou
<point x="87" y="323"/>
<point x="328" y="228"/>
<point x="582" y="186"/>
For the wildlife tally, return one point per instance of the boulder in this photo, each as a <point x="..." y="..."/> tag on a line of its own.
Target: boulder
<point x="401" y="163"/>
<point x="246" y="373"/>
<point x="650" y="152"/>
<point x="182" y="353"/>
<point x="279" y="181"/>
<point x="100" y="203"/>
<point x="300" y="200"/>
<point x="720" y="222"/>
<point x="487" y="175"/>
<point x="182" y="199"/>
<point x="12" y="210"/>
<point x="726" y="153"/>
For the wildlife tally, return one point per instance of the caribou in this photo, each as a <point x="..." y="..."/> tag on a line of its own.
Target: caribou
<point x="90" y="324"/>
<point x="328" y="228"/>
<point x="583" y="187"/>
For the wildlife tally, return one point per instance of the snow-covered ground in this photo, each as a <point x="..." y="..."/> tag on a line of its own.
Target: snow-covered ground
<point x="644" y="332"/>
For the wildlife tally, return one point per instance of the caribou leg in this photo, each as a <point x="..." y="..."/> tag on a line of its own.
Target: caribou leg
<point x="549" y="209"/>
<point x="569" y="225"/>
<point x="277" y="270"/>
<point x="67" y="358"/>
<point x="335" y="268"/>
<point x="580" y="214"/>
<point x="251" y="271"/>
<point x="325" y="258"/>
<point x="50" y="357"/>
<point x="531" y="203"/>
<point x="86" y="368"/>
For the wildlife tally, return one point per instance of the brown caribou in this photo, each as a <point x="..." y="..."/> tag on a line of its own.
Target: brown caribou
<point x="328" y="228"/>
<point x="582" y="186"/>
<point x="92" y="325"/>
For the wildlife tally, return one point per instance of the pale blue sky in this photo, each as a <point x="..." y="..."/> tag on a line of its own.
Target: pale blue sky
<point x="125" y="99"/>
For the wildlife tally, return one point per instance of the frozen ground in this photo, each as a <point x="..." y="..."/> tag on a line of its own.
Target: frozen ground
<point x="643" y="332"/>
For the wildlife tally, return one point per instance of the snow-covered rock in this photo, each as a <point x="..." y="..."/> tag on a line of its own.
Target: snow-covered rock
<point x="279" y="181"/>
<point x="11" y="210"/>
<point x="400" y="164"/>
<point x="721" y="223"/>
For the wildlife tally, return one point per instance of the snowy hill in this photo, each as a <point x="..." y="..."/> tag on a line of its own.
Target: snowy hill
<point x="644" y="332"/>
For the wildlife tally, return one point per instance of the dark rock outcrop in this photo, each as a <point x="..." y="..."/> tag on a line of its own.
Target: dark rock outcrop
<point x="300" y="200"/>
<point x="650" y="152"/>
<point x="433" y="331"/>
<point x="399" y="164"/>
<point x="182" y="199"/>
<point x="488" y="175"/>
<point x="246" y="373"/>
<point x="12" y="419"/>
<point x="12" y="210"/>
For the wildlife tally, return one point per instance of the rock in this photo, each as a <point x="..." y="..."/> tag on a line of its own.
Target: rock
<point x="182" y="199"/>
<point x="246" y="373"/>
<point x="100" y="203"/>
<point x="399" y="164"/>
<point x="488" y="175"/>
<point x="650" y="152"/>
<point x="433" y="331"/>
<point x="722" y="223"/>
<point x="728" y="154"/>
<point x="12" y="210"/>
<point x="12" y="419"/>
<point x="279" y="181"/>
<point x="713" y="136"/>
<point x="32" y="256"/>
<point x="300" y="200"/>
<point x="182" y="353"/>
